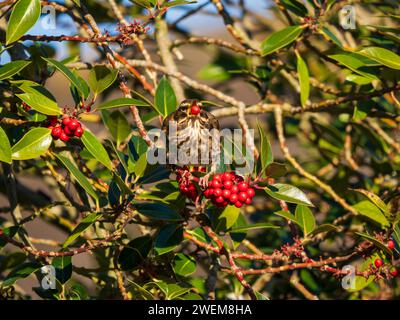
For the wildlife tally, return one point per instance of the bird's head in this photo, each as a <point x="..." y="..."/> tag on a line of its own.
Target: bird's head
<point x="191" y="107"/>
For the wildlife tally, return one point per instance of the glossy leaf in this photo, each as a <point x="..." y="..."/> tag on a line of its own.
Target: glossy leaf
<point x="280" y="39"/>
<point x="96" y="149"/>
<point x="304" y="79"/>
<point x="21" y="272"/>
<point x="118" y="126"/>
<point x="121" y="102"/>
<point x="229" y="216"/>
<point x="383" y="56"/>
<point x="11" y="68"/>
<point x="371" y="211"/>
<point x="40" y="103"/>
<point x="254" y="226"/>
<point x="380" y="245"/>
<point x="23" y="17"/>
<point x="288" y="193"/>
<point x="183" y="264"/>
<point x="5" y="147"/>
<point x="101" y="77"/>
<point x="63" y="266"/>
<point x="165" y="99"/>
<point x="374" y="198"/>
<point x="81" y="227"/>
<point x="266" y="156"/>
<point x="32" y="145"/>
<point x="135" y="252"/>
<point x="287" y="215"/>
<point x="305" y="218"/>
<point x="158" y="211"/>
<point x="82" y="87"/>
<point x="168" y="238"/>
<point x="78" y="175"/>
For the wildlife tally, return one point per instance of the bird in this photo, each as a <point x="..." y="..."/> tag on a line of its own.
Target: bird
<point x="192" y="139"/>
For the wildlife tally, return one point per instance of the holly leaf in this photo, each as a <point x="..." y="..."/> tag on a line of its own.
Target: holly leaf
<point x="280" y="39"/>
<point x="165" y="99"/>
<point x="32" y="145"/>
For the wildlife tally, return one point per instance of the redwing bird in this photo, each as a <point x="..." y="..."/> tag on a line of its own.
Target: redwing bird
<point x="192" y="138"/>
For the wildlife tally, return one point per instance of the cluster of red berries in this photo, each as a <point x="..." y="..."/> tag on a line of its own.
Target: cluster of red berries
<point x="229" y="188"/>
<point x="69" y="127"/>
<point x="187" y="187"/>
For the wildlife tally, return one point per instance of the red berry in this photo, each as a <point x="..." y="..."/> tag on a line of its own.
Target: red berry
<point x="219" y="199"/>
<point x="226" y="194"/>
<point x="56" y="132"/>
<point x="206" y="193"/>
<point x="391" y="244"/>
<point x="195" y="110"/>
<point x="243" y="186"/>
<point x="238" y="204"/>
<point x="242" y="196"/>
<point x="68" y="131"/>
<point x="66" y="121"/>
<point x="251" y="192"/>
<point x="79" y="132"/>
<point x="52" y="120"/>
<point x="74" y="124"/>
<point x="248" y="201"/>
<point x="217" y="177"/>
<point x="233" y="176"/>
<point x="215" y="184"/>
<point x="217" y="193"/>
<point x="234" y="189"/>
<point x="238" y="179"/>
<point x="394" y="272"/>
<point x="234" y="198"/>
<point x="64" y="137"/>
<point x="228" y="184"/>
<point x="226" y="176"/>
<point x="378" y="263"/>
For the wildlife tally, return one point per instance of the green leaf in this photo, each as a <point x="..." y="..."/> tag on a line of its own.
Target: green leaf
<point x="330" y="36"/>
<point x="96" y="149"/>
<point x="356" y="63"/>
<point x="376" y="242"/>
<point x="305" y="219"/>
<point x="76" y="81"/>
<point x="23" y="17"/>
<point x="304" y="79"/>
<point x="287" y="215"/>
<point x="135" y="252"/>
<point x="32" y="145"/>
<point x="288" y="193"/>
<point x="361" y="282"/>
<point x="63" y="266"/>
<point x="275" y="170"/>
<point x="143" y="3"/>
<point x="183" y="264"/>
<point x="140" y="166"/>
<point x="139" y="290"/>
<point x="229" y="216"/>
<point x="176" y="3"/>
<point x="325" y="228"/>
<point x="118" y="126"/>
<point x="10" y="232"/>
<point x="165" y="99"/>
<point x="40" y="103"/>
<point x="5" y="147"/>
<point x="82" y="226"/>
<point x="383" y="56"/>
<point x="280" y="39"/>
<point x="158" y="211"/>
<point x="11" y="68"/>
<point x="78" y="175"/>
<point x="122" y="102"/>
<point x="295" y="6"/>
<point x="170" y="236"/>
<point x="374" y="198"/>
<point x="254" y="226"/>
<point x="266" y="156"/>
<point x="101" y="77"/>
<point x="21" y="272"/>
<point x="371" y="211"/>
